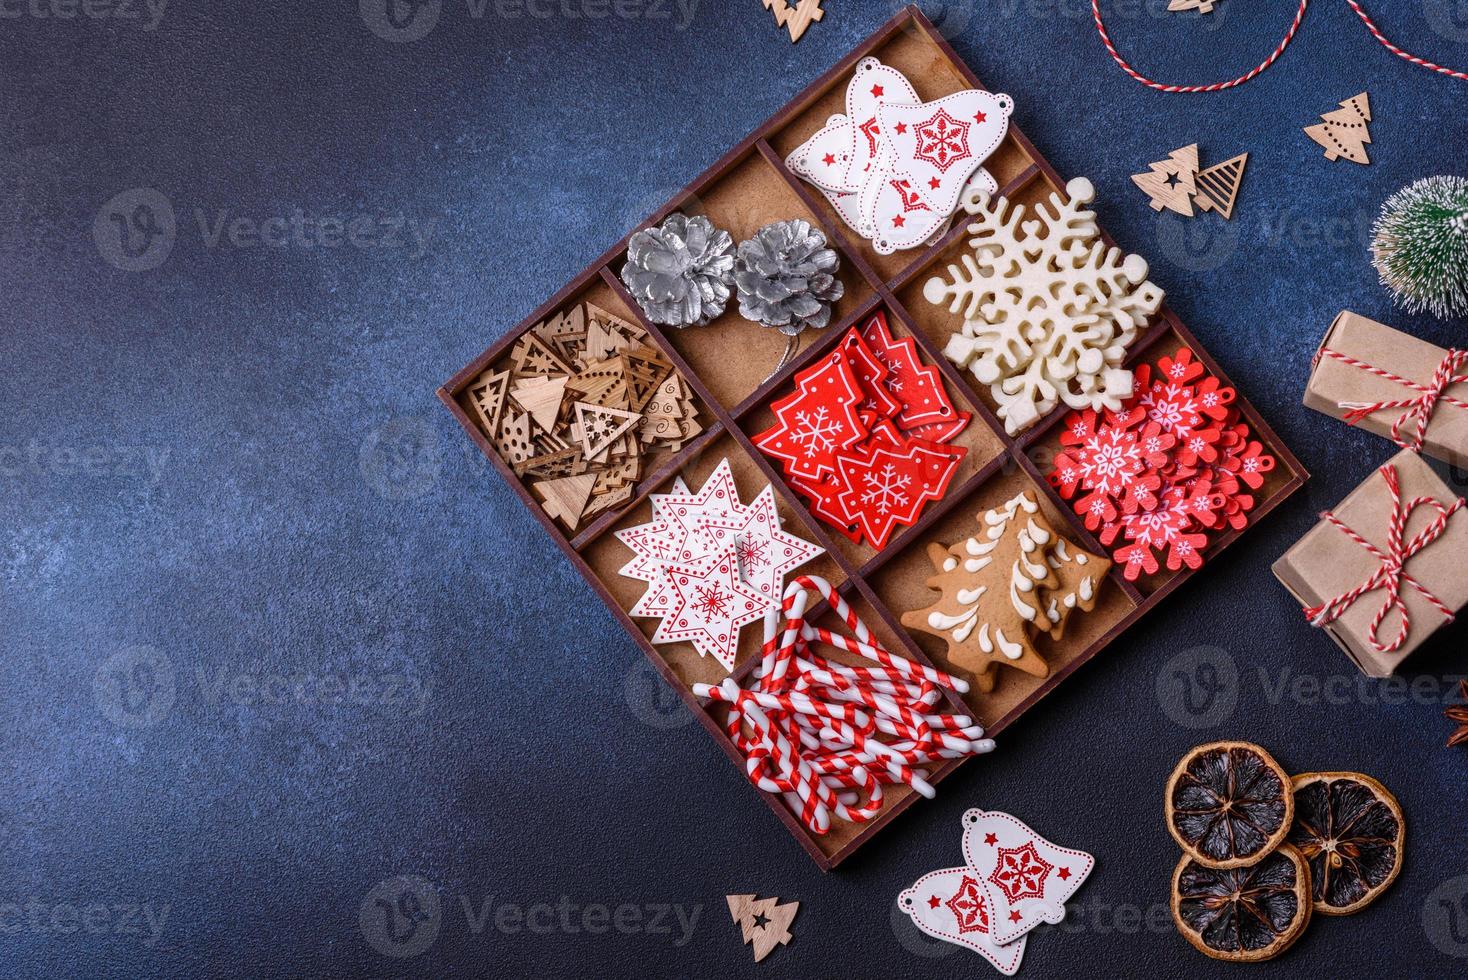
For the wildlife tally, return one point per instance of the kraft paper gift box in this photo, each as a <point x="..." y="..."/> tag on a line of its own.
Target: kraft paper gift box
<point x="1343" y="377"/>
<point x="1327" y="563"/>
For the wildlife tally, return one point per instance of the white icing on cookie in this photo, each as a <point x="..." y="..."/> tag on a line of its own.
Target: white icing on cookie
<point x="980" y="550"/>
<point x="1018" y="583"/>
<point x="961" y="625"/>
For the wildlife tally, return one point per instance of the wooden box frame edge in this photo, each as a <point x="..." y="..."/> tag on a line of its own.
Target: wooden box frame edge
<point x="727" y="421"/>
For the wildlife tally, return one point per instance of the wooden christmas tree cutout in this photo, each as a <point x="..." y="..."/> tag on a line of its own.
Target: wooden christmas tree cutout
<point x="531" y="356"/>
<point x="1343" y="132"/>
<point x="797" y="18"/>
<point x="583" y="392"/>
<point x="1201" y="6"/>
<point x="558" y="463"/>
<point x="565" y="498"/>
<point x="541" y="397"/>
<point x="513" y="440"/>
<point x="1218" y="186"/>
<point x="487" y="394"/>
<point x="600" y="427"/>
<point x="763" y="923"/>
<point x="1170" y="183"/>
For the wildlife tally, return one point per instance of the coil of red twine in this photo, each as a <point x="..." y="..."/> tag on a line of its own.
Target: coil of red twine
<point x="1273" y="57"/>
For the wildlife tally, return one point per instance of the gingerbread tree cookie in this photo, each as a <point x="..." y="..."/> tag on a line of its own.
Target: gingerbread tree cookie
<point x="991" y="591"/>
<point x="1081" y="575"/>
<point x="1000" y="589"/>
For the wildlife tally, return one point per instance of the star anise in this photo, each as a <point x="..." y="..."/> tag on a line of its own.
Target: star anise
<point x="1459" y="714"/>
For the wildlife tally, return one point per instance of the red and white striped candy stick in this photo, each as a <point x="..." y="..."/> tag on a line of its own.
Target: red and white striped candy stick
<point x="797" y="774"/>
<point x="837" y="769"/>
<point x="826" y="735"/>
<point x="907" y="668"/>
<point x="793" y="702"/>
<point x="880" y="754"/>
<point x="864" y="643"/>
<point x="776" y="664"/>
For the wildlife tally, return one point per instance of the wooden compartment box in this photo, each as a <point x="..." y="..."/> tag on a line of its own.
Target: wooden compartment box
<point x="725" y="364"/>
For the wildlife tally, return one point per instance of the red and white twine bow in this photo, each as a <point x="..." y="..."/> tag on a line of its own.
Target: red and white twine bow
<point x="1392" y="573"/>
<point x="1416" y="411"/>
<point x="824" y="734"/>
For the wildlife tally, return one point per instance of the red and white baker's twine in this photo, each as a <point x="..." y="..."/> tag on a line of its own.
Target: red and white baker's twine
<point x="1273" y="57"/>
<point x="1392" y="572"/>
<point x="824" y="734"/>
<point x="1417" y="411"/>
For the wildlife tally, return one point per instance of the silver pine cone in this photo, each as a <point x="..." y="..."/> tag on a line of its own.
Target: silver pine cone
<point x="787" y="277"/>
<point x="681" y="272"/>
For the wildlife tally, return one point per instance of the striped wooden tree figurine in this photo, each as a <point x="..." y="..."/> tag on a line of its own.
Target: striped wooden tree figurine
<point x="1218" y="186"/>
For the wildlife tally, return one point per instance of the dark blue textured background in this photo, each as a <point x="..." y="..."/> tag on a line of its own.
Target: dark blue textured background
<point x="232" y="468"/>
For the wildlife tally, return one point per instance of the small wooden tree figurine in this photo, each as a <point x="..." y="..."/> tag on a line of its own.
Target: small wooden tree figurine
<point x="762" y="922"/>
<point x="1218" y="186"/>
<point x="794" y="17"/>
<point x="1170" y="182"/>
<point x="1343" y="131"/>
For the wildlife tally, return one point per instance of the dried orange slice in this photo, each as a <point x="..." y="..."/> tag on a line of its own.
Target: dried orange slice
<point x="1228" y="803"/>
<point x="1350" y="829"/>
<point x="1243" y="915"/>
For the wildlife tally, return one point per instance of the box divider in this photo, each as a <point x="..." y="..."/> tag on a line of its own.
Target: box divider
<point x="1077" y="526"/>
<point x="825" y="340"/>
<point x="914" y="652"/>
<point x="912" y="20"/>
<point x="1166" y="320"/>
<point x="1144" y="341"/>
<point x="933" y="513"/>
<point x="811" y="524"/>
<point x="651" y="482"/>
<point x="775" y="122"/>
<point x="930" y="255"/>
<point x="1060" y="676"/>
<point x="834" y="234"/>
<point x="947" y="369"/>
<point x="671" y="678"/>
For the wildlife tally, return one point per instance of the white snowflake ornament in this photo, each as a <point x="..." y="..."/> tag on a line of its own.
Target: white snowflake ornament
<point x="1049" y="309"/>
